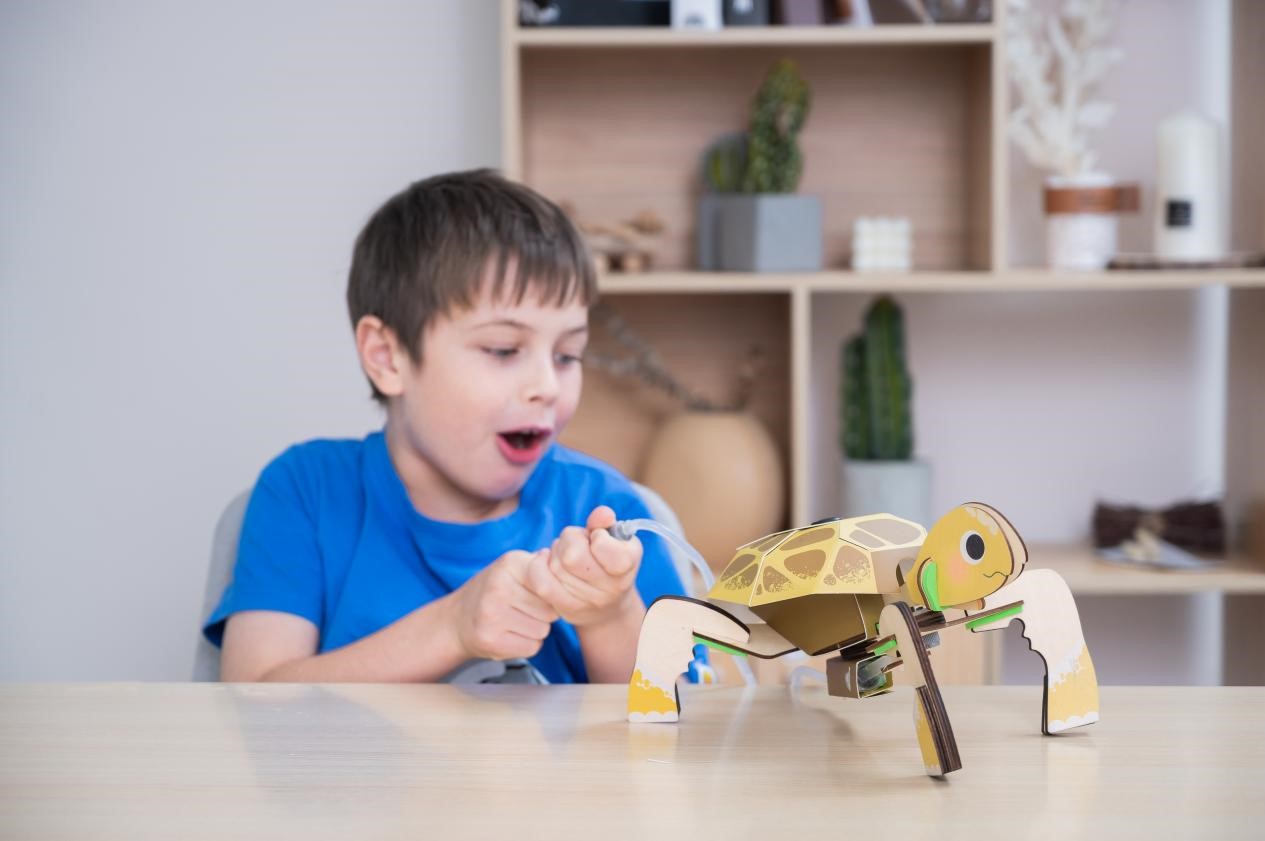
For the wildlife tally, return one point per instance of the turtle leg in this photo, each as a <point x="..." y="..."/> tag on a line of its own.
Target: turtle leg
<point x="665" y="649"/>
<point x="1052" y="626"/>
<point x="931" y="720"/>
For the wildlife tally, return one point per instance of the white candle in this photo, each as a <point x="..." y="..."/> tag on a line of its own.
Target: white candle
<point x="1188" y="224"/>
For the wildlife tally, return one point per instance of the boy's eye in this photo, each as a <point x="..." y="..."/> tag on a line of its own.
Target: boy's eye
<point x="500" y="352"/>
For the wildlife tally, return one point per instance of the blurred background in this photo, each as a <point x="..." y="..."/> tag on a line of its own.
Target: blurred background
<point x="180" y="187"/>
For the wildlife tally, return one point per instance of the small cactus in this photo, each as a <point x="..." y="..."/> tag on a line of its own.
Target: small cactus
<point x="876" y="388"/>
<point x="856" y="413"/>
<point x="774" y="162"/>
<point x="766" y="159"/>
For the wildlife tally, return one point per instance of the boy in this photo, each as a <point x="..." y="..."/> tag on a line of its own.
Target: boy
<point x="462" y="530"/>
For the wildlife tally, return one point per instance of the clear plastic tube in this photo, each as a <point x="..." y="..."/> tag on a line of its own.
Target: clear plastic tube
<point x="625" y="529"/>
<point x="799" y="674"/>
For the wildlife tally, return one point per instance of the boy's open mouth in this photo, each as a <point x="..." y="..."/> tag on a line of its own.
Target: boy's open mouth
<point x="521" y="446"/>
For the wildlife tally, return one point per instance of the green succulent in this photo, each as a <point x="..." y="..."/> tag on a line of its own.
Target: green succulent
<point x="876" y="388"/>
<point x="767" y="158"/>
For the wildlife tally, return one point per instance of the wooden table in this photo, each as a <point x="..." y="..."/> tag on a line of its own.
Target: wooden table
<point x="190" y="761"/>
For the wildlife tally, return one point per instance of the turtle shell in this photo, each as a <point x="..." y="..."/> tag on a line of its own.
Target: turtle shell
<point x="854" y="555"/>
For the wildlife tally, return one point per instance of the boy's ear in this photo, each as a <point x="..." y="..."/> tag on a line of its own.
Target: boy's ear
<point x="382" y="357"/>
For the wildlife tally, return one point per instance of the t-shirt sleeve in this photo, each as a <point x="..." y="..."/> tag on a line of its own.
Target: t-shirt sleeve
<point x="278" y="563"/>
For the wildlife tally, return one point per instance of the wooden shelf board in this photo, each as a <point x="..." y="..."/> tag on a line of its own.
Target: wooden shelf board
<point x="695" y="282"/>
<point x="1128" y="279"/>
<point x="1089" y="576"/>
<point x="1016" y="280"/>
<point x="753" y="36"/>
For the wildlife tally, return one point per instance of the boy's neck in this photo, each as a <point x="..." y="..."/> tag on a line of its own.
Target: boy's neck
<point x="433" y="495"/>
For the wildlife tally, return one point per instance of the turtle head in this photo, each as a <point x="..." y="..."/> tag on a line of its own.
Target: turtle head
<point x="970" y="553"/>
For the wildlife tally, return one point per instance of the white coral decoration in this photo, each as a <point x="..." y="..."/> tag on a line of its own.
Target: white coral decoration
<point x="1056" y="62"/>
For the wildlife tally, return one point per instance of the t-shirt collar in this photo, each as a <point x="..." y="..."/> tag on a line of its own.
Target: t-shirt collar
<point x="455" y="540"/>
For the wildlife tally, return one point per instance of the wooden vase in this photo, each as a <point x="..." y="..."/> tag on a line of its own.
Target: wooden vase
<point x="722" y="474"/>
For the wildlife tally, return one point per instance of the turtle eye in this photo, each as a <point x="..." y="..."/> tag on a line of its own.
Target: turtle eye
<point x="972" y="547"/>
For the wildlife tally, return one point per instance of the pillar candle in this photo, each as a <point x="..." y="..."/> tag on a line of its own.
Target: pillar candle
<point x="1188" y="224"/>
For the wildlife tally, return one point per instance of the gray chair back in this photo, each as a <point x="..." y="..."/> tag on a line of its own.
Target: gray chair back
<point x="206" y="657"/>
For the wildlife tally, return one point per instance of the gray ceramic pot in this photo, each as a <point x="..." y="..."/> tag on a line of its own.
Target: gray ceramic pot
<point x="759" y="232"/>
<point x="902" y="488"/>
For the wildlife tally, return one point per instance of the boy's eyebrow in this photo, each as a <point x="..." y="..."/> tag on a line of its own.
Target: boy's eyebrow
<point x="509" y="322"/>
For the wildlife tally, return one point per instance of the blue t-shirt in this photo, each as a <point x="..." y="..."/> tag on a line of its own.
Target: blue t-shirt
<point x="331" y="535"/>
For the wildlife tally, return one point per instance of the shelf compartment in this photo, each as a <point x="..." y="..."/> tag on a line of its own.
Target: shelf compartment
<point x="893" y="132"/>
<point x="702" y="340"/>
<point x="1040" y="402"/>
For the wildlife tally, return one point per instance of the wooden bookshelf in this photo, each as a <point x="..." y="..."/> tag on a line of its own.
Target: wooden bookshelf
<point x="907" y="121"/>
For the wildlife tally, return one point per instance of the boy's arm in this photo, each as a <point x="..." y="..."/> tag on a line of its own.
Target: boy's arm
<point x="610" y="646"/>
<point x="589" y="577"/>
<point x="265" y="645"/>
<point x="493" y="615"/>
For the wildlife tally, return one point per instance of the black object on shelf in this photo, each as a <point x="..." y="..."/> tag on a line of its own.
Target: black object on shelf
<point x="1195" y="526"/>
<point x="746" y="12"/>
<point x="595" y="12"/>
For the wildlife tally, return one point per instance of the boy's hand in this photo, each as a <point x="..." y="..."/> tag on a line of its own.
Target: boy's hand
<point x="497" y="616"/>
<point x="587" y="575"/>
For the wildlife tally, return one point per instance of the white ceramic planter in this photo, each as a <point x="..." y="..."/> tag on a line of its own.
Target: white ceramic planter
<point x="902" y="488"/>
<point x="1080" y="241"/>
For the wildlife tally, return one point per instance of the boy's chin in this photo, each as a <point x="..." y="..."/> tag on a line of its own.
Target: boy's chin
<point x="509" y="488"/>
<point x="504" y="480"/>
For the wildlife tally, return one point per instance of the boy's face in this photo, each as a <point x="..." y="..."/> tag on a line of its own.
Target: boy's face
<point x="495" y="385"/>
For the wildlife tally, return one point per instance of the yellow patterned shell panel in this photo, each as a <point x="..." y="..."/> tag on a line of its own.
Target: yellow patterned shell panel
<point x="839" y="556"/>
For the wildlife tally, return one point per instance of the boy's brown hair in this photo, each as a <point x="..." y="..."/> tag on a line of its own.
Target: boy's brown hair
<point x="425" y="252"/>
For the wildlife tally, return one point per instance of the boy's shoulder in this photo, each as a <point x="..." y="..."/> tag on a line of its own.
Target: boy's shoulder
<point x="318" y="460"/>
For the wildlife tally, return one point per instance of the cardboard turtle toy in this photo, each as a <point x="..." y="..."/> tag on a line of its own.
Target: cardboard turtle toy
<point x="873" y="589"/>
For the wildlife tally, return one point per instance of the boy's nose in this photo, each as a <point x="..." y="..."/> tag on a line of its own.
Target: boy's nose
<point x="543" y="385"/>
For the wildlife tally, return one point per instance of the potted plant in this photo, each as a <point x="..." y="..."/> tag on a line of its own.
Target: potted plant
<point x="1056" y="64"/>
<point x="750" y="218"/>
<point x="880" y="474"/>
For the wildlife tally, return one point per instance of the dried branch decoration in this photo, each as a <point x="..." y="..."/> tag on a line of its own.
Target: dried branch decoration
<point x="1056" y="63"/>
<point x="644" y="364"/>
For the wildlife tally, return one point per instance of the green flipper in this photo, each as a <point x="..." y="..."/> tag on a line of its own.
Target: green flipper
<point x="996" y="617"/>
<point x="930" y="584"/>
<point x="719" y="647"/>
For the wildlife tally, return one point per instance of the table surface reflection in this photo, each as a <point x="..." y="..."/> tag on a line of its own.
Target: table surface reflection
<point x="225" y="761"/>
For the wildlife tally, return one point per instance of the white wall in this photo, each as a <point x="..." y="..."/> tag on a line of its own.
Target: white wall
<point x="180" y="186"/>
